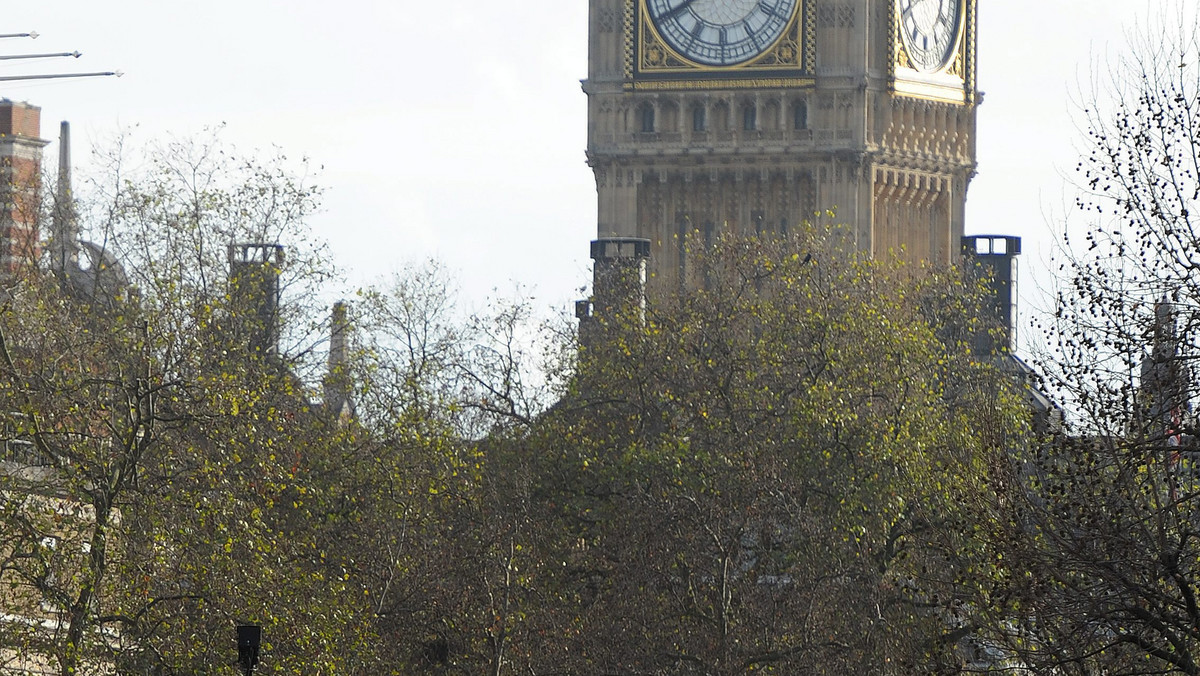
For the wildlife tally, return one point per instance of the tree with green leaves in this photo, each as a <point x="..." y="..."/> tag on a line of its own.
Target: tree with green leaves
<point x="167" y="469"/>
<point x="770" y="473"/>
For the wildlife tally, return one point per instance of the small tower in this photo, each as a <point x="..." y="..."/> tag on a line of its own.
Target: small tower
<point x="20" y="185"/>
<point x="254" y="291"/>
<point x="87" y="270"/>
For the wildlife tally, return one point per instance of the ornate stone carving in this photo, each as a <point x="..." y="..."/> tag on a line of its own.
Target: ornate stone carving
<point x="609" y="20"/>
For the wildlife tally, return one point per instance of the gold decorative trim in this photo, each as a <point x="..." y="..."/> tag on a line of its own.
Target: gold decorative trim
<point x="810" y="36"/>
<point x="893" y="38"/>
<point x="956" y="67"/>
<point x="761" y="83"/>
<point x="628" y="33"/>
<point x="902" y="59"/>
<point x="652" y="57"/>
<point x="970" y="51"/>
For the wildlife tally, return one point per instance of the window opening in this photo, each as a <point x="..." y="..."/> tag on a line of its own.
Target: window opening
<point x="800" y="115"/>
<point x="648" y="119"/>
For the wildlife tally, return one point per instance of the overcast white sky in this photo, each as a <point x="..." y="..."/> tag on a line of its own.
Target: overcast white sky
<point x="456" y="130"/>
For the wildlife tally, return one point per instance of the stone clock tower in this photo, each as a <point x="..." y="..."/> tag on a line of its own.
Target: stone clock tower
<point x="747" y="116"/>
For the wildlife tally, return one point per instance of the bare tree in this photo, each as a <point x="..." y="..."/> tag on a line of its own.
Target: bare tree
<point x="1103" y="553"/>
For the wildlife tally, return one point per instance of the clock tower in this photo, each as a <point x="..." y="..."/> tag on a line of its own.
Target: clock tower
<point x="748" y="116"/>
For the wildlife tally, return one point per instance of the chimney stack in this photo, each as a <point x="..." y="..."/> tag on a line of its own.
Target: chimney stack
<point x="64" y="235"/>
<point x="618" y="283"/>
<point x="337" y="380"/>
<point x="995" y="257"/>
<point x="254" y="289"/>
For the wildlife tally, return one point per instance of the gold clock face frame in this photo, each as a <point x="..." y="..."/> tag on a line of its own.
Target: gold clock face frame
<point x="654" y="62"/>
<point x="719" y="33"/>
<point x="930" y="31"/>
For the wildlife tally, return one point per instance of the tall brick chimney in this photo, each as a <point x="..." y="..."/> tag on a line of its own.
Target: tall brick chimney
<point x="20" y="184"/>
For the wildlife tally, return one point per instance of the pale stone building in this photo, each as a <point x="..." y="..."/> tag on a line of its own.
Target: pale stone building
<point x="747" y="116"/>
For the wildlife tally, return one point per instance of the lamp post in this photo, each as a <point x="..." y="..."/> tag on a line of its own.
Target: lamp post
<point x="249" y="638"/>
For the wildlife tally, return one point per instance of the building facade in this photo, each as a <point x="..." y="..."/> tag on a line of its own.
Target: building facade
<point x="20" y="184"/>
<point x="750" y="116"/>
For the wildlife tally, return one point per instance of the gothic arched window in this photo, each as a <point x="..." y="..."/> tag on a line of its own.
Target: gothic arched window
<point x="647" y="119"/>
<point x="750" y="117"/>
<point x="799" y="115"/>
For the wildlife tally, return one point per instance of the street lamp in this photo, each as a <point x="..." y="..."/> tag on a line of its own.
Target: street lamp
<point x="249" y="638"/>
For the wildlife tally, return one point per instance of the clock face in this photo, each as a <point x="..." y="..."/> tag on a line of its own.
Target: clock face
<point x="930" y="30"/>
<point x="721" y="32"/>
